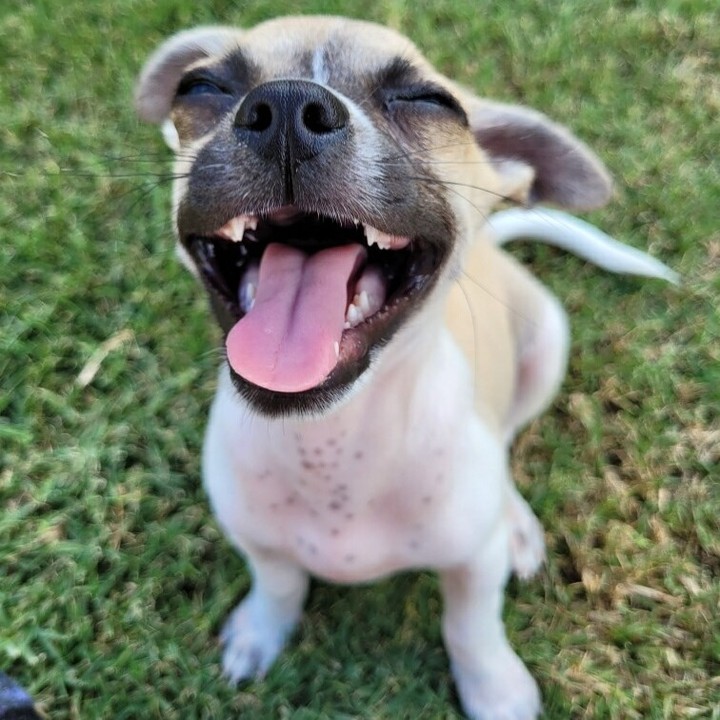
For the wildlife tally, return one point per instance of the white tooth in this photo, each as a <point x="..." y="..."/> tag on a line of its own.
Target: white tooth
<point x="364" y="303"/>
<point x="233" y="229"/>
<point x="337" y="349"/>
<point x="353" y="316"/>
<point x="383" y="240"/>
<point x="377" y="237"/>
<point x="370" y="234"/>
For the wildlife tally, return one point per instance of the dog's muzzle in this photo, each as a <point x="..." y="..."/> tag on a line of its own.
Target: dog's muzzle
<point x="310" y="265"/>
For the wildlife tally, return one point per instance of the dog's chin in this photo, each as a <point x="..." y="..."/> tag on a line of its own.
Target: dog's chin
<point x="336" y="388"/>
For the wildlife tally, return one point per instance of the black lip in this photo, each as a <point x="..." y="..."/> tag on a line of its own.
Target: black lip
<point x="411" y="274"/>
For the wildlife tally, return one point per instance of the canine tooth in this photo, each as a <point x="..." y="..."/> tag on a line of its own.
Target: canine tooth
<point x="383" y="240"/>
<point x="353" y="316"/>
<point x="336" y="345"/>
<point x="363" y="303"/>
<point x="233" y="229"/>
<point x="370" y="290"/>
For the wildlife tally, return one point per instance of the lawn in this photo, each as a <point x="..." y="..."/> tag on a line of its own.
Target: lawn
<point x="114" y="578"/>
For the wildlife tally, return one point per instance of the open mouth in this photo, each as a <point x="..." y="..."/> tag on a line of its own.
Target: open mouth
<point x="304" y="298"/>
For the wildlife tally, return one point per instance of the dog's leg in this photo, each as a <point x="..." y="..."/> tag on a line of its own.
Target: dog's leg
<point x="258" y="628"/>
<point x="543" y="338"/>
<point x="527" y="541"/>
<point x="492" y="682"/>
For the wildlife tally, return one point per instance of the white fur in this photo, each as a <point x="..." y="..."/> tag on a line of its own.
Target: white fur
<point x="557" y="228"/>
<point x="319" y="69"/>
<point x="170" y="135"/>
<point x="374" y="487"/>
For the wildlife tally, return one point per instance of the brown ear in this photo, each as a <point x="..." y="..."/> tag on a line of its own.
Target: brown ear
<point x="564" y="170"/>
<point x="159" y="78"/>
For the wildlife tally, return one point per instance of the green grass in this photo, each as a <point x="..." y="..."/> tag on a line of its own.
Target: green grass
<point x="114" y="578"/>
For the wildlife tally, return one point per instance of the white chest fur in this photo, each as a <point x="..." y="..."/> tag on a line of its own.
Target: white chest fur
<point x="394" y="479"/>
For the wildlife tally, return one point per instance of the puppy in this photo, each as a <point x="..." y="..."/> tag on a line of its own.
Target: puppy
<point x="331" y="187"/>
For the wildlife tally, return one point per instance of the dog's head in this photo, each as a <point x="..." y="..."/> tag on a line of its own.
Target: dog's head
<point x="328" y="179"/>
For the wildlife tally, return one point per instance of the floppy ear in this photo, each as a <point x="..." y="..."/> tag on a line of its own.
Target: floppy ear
<point x="159" y="78"/>
<point x="538" y="160"/>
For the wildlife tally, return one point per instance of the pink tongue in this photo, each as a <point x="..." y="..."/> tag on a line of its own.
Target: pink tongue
<point x="288" y="341"/>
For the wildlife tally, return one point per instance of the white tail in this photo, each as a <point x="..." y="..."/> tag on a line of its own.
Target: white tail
<point x="557" y="228"/>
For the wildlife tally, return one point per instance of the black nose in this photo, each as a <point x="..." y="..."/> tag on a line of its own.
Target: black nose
<point x="291" y="120"/>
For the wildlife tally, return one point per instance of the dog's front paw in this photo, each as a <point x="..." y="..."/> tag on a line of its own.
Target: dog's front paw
<point x="527" y="540"/>
<point x="252" y="640"/>
<point x="505" y="691"/>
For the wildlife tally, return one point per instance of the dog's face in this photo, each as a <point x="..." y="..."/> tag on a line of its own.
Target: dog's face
<point x="328" y="181"/>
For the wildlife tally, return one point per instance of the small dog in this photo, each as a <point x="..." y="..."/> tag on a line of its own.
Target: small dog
<point x="331" y="187"/>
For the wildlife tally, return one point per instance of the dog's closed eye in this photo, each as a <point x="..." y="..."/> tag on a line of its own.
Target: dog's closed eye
<point x="201" y="84"/>
<point x="423" y="98"/>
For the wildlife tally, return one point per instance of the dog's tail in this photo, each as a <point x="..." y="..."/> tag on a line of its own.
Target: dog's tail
<point x="557" y="228"/>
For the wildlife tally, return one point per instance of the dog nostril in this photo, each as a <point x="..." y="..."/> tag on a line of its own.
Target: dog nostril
<point x="258" y="118"/>
<point x="321" y="118"/>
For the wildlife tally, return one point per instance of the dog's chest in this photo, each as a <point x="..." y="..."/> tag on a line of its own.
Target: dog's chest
<point x="334" y="516"/>
<point x="347" y="506"/>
